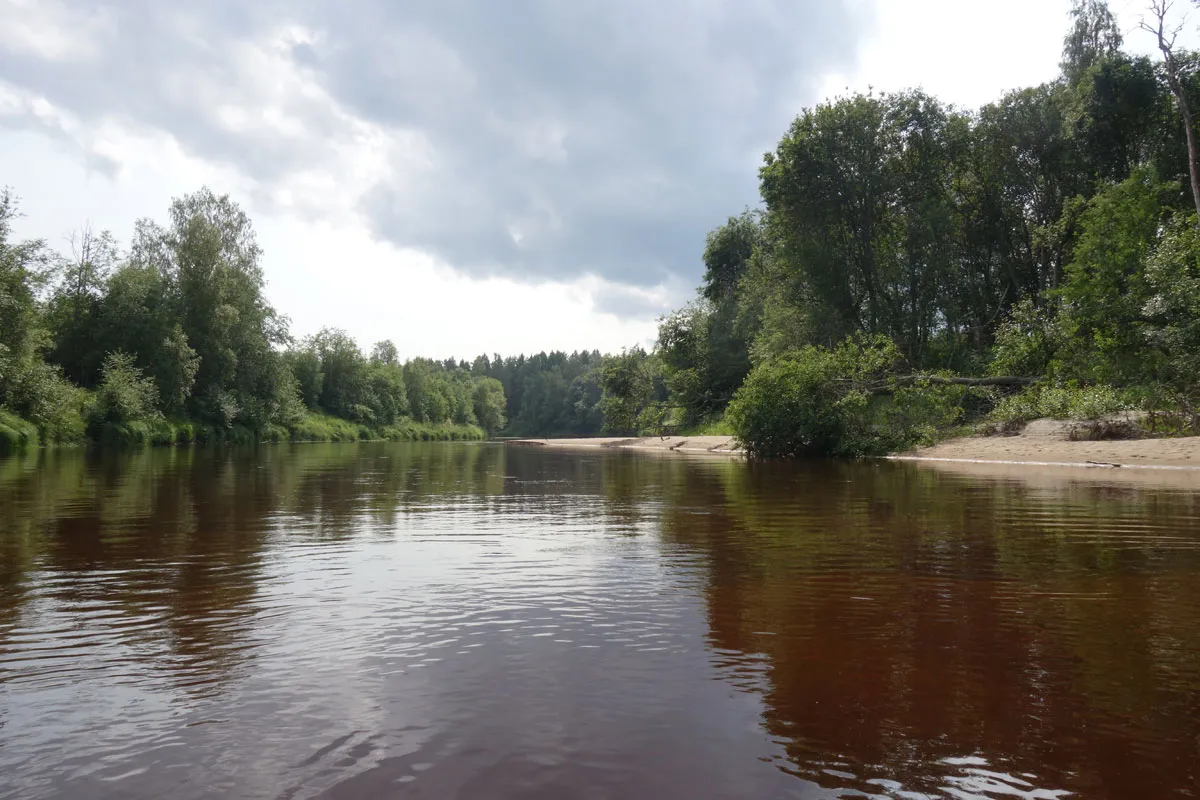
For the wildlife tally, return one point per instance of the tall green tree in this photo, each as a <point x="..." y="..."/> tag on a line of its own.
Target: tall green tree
<point x="859" y="194"/>
<point x="1106" y="289"/>
<point x="209" y="256"/>
<point x="75" y="305"/>
<point x="1094" y="35"/>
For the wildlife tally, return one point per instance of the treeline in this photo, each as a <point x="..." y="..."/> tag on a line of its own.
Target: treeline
<point x="1050" y="236"/>
<point x="173" y="341"/>
<point x="549" y="394"/>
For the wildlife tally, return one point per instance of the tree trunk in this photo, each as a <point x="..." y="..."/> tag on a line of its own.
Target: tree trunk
<point x="1166" y="44"/>
<point x="937" y="380"/>
<point x="886" y="386"/>
<point x="1189" y="130"/>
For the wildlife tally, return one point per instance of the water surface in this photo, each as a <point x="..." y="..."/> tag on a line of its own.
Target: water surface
<point x="445" y="620"/>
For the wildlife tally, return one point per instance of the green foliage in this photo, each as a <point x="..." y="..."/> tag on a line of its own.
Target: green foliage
<point x="38" y="392"/>
<point x="409" y="431"/>
<point x="385" y="353"/>
<point x="1069" y="401"/>
<point x="124" y="395"/>
<point x="1027" y="341"/>
<point x="727" y="252"/>
<point x="176" y="370"/>
<point x="208" y="260"/>
<point x="16" y="434"/>
<point x="819" y="401"/>
<point x="704" y="354"/>
<point x="489" y="404"/>
<point x="305" y="366"/>
<point x="325" y="428"/>
<point x="1172" y="303"/>
<point x="24" y="270"/>
<point x="860" y="194"/>
<point x="633" y="392"/>
<point x="73" y="312"/>
<point x="314" y="427"/>
<point x="718" y="427"/>
<point x="548" y="394"/>
<point x="30" y="389"/>
<point x="1105" y="288"/>
<point x="1094" y="36"/>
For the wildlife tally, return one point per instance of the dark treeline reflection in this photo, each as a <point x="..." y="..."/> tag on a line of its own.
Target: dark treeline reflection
<point x="175" y="538"/>
<point x="910" y="617"/>
<point x="892" y="618"/>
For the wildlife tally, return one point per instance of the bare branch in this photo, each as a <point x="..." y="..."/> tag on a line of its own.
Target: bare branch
<point x="1166" y="45"/>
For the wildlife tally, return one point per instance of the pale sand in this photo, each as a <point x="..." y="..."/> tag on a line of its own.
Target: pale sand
<point x="1042" y="450"/>
<point x="1046" y="442"/>
<point x="715" y="445"/>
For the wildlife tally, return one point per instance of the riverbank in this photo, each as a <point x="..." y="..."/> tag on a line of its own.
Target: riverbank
<point x="1048" y="443"/>
<point x="18" y="435"/>
<point x="713" y="445"/>
<point x="1044" y="443"/>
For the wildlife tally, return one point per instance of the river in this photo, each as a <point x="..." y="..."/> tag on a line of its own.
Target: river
<point x="468" y="620"/>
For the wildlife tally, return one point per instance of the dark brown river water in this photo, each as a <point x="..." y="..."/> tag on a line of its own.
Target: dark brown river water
<point x="442" y="621"/>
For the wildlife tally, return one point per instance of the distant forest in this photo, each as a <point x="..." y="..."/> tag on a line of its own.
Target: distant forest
<point x="172" y="341"/>
<point x="913" y="267"/>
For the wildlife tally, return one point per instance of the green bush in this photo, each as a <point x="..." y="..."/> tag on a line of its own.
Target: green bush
<point x="837" y="402"/>
<point x="1069" y="401"/>
<point x="1027" y="341"/>
<point x="274" y="434"/>
<point x="185" y="432"/>
<point x="16" y="434"/>
<point x="124" y="394"/>
<point x="1173" y="277"/>
<point x="314" y="427"/>
<point x="39" y="394"/>
<point x="717" y="427"/>
<point x="407" y="430"/>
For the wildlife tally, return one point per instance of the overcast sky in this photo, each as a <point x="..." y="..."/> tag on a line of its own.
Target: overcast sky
<point x="467" y="176"/>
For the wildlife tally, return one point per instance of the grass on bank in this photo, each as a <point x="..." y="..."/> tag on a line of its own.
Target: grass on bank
<point x="18" y="435"/>
<point x="716" y="427"/>
<point x="325" y="428"/>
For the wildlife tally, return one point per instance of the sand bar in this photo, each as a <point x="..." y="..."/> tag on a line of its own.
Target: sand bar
<point x="1042" y="444"/>
<point x="712" y="445"/>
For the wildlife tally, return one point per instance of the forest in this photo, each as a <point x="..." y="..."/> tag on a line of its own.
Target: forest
<point x="912" y="268"/>
<point x="172" y="341"/>
<point x="915" y="268"/>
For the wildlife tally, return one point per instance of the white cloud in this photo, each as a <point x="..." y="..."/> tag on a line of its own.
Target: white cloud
<point x="49" y="30"/>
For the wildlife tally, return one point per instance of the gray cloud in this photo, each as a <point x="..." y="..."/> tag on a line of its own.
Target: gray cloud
<point x="602" y="136"/>
<point x="626" y="302"/>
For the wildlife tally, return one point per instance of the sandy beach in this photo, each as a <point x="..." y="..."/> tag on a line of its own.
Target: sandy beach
<point x="1047" y="442"/>
<point x="697" y="445"/>
<point x="1043" y="443"/>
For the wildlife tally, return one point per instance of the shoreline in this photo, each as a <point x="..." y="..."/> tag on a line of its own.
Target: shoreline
<point x="684" y="445"/>
<point x="1029" y="463"/>
<point x="1042" y="445"/>
<point x="1047" y="443"/>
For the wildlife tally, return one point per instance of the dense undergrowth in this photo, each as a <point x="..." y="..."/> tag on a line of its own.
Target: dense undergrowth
<point x="18" y="435"/>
